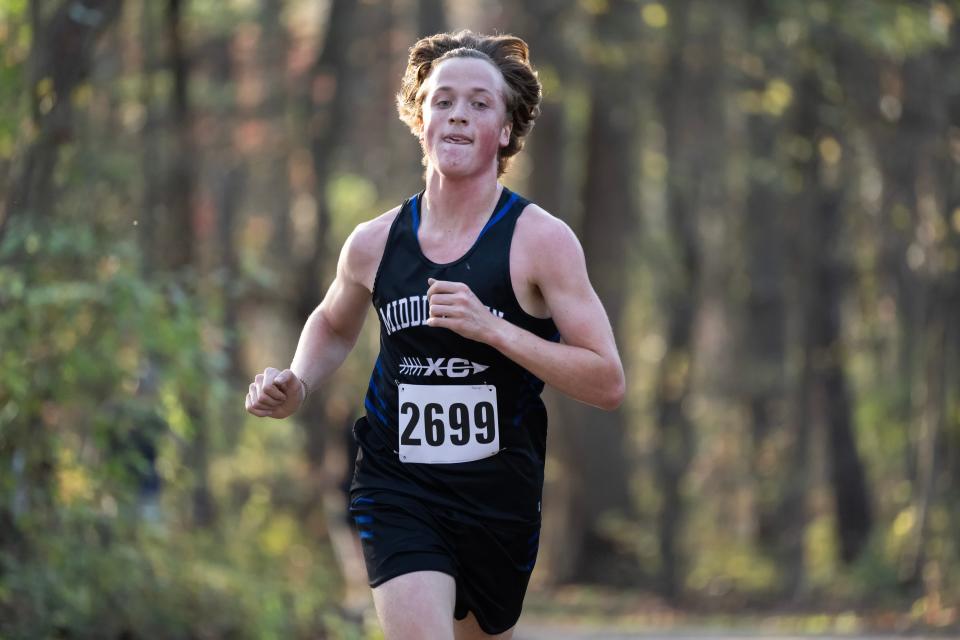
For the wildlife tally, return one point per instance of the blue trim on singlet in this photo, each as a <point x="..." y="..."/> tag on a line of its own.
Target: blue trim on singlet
<point x="415" y="210"/>
<point x="375" y="390"/>
<point x="362" y="500"/>
<point x="376" y="393"/>
<point x="533" y="545"/>
<point x="498" y="215"/>
<point x="366" y="535"/>
<point x="370" y="407"/>
<point x="363" y="519"/>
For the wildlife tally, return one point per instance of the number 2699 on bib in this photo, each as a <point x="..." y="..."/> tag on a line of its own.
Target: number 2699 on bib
<point x="447" y="423"/>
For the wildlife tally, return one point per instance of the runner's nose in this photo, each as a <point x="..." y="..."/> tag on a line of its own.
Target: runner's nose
<point x="458" y="114"/>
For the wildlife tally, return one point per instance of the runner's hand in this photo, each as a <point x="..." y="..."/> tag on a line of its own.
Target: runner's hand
<point x="454" y="306"/>
<point x="275" y="394"/>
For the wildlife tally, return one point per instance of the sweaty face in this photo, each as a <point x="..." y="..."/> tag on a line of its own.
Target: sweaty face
<point x="464" y="117"/>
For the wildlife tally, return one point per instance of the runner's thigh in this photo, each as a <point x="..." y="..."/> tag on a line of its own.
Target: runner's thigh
<point x="416" y="605"/>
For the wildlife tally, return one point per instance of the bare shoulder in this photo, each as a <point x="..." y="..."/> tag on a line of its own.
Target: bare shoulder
<point x="363" y="249"/>
<point x="545" y="257"/>
<point x="546" y="240"/>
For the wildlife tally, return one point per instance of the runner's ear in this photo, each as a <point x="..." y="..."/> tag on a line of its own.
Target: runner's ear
<point x="505" y="133"/>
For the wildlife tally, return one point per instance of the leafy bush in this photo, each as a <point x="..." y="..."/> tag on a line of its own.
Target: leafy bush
<point x="105" y="379"/>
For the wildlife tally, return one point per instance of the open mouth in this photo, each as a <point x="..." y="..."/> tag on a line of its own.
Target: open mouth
<point x="457" y="139"/>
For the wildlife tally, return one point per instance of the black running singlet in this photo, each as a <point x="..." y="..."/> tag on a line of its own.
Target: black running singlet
<point x="451" y="421"/>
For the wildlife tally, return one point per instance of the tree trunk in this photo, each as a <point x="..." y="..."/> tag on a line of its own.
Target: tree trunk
<point x="597" y="456"/>
<point x="825" y="352"/>
<point x="549" y="187"/>
<point x="328" y="111"/>
<point x="828" y="353"/>
<point x="431" y="18"/>
<point x="547" y="146"/>
<point x="231" y="189"/>
<point x="177" y="238"/>
<point x="793" y="507"/>
<point x="273" y="51"/>
<point x="151" y="167"/>
<point x="689" y="90"/>
<point x="61" y="53"/>
<point x="775" y="439"/>
<point x="937" y="107"/>
<point x="900" y="145"/>
<point x="950" y="283"/>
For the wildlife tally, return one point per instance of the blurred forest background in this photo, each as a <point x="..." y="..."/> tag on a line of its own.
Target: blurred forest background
<point x="768" y="194"/>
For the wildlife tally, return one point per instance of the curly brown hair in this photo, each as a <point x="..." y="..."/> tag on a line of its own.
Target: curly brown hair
<point x="508" y="53"/>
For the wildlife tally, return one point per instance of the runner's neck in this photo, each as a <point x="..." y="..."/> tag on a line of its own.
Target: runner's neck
<point x="451" y="204"/>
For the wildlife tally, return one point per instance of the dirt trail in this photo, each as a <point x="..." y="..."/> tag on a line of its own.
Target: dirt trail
<point x="547" y="632"/>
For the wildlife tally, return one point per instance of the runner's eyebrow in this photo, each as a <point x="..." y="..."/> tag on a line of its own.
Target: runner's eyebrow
<point x="474" y="90"/>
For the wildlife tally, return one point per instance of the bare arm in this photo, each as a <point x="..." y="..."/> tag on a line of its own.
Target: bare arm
<point x="586" y="365"/>
<point x="330" y="332"/>
<point x="332" y="329"/>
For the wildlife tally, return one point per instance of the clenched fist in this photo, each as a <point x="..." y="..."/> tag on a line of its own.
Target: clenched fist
<point x="275" y="393"/>
<point x="454" y="306"/>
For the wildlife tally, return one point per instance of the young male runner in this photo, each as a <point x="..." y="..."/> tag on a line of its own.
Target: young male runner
<point x="482" y="297"/>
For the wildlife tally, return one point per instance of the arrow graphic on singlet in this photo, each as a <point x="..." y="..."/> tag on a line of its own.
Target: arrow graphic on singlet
<point x="451" y="368"/>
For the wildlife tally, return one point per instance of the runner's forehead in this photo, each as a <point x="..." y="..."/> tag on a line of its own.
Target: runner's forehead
<point x="465" y="74"/>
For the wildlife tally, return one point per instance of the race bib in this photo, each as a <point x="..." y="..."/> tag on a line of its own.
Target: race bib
<point x="448" y="423"/>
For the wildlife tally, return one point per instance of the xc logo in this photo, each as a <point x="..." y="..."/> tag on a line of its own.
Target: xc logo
<point x="443" y="367"/>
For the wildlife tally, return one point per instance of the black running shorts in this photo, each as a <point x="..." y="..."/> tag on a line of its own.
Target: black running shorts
<point x="491" y="563"/>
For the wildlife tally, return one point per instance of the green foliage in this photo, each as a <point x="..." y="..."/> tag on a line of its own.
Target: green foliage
<point x="96" y="359"/>
<point x="85" y="327"/>
<point x="217" y="17"/>
<point x="731" y="566"/>
<point x="12" y="8"/>
<point x="875" y="575"/>
<point x="14" y="98"/>
<point x="353" y="199"/>
<point x="101" y="576"/>
<point x="897" y="29"/>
